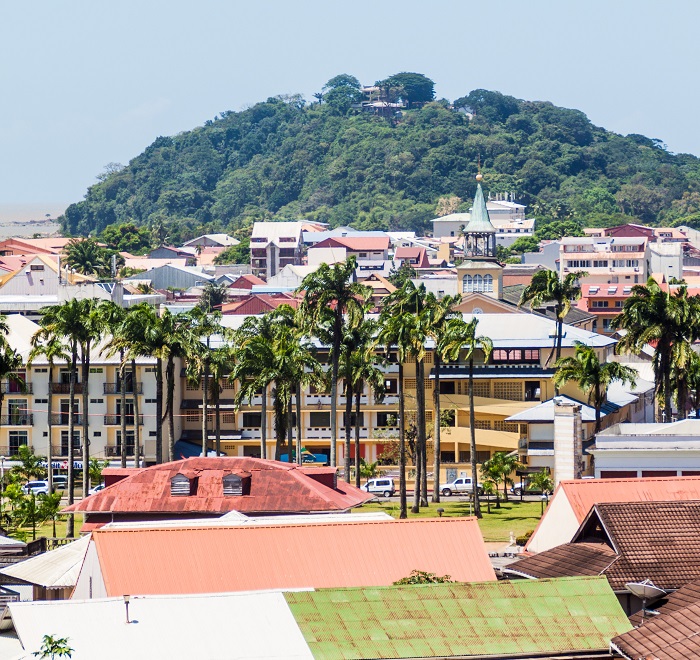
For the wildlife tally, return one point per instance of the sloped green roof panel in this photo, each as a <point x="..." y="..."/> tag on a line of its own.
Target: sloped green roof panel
<point x="479" y="221"/>
<point x="476" y="619"/>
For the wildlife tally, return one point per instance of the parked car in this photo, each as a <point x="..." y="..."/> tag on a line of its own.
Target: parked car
<point x="36" y="487"/>
<point x="523" y="488"/>
<point x="96" y="489"/>
<point x="60" y="482"/>
<point x="384" y="487"/>
<point x="461" y="485"/>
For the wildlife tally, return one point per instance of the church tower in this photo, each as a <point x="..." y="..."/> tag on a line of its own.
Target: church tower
<point x="480" y="272"/>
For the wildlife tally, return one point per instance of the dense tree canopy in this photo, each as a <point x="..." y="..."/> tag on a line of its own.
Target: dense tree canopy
<point x="330" y="162"/>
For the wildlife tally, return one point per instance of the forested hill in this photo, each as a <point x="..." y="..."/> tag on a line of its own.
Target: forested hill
<point x="287" y="159"/>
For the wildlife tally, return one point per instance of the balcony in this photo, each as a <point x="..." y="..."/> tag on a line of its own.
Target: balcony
<point x="9" y="451"/>
<point x="116" y="420"/>
<point x="116" y="452"/>
<point x="10" y="387"/>
<point x="61" y="451"/>
<point x="64" y="388"/>
<point x="116" y="388"/>
<point x="61" y="419"/>
<point x="17" y="419"/>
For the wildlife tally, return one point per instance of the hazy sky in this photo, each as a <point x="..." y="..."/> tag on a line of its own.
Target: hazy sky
<point x="85" y="83"/>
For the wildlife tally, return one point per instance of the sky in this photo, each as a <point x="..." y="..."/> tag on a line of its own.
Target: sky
<point x="84" y="83"/>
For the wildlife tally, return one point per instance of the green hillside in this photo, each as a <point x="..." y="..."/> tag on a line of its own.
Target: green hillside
<point x="287" y="159"/>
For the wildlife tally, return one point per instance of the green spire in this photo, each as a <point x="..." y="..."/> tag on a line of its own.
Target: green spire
<point x="479" y="222"/>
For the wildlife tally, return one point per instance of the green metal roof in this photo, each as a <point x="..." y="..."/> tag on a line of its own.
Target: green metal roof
<point x="479" y="222"/>
<point x="474" y="620"/>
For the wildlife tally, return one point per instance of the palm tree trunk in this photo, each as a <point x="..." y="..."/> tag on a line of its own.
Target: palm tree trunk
<point x="205" y="389"/>
<point x="298" y="411"/>
<point x="159" y="410"/>
<point x="423" y="431"/>
<point x="560" y="333"/>
<point x="170" y="375"/>
<point x="403" y="512"/>
<point x="137" y="430"/>
<point x="358" y="405"/>
<point x="86" y="405"/>
<point x="598" y="404"/>
<point x="348" y="415"/>
<point x="436" y="430"/>
<point x="263" y="423"/>
<point x="122" y="377"/>
<point x="217" y="418"/>
<point x="335" y="362"/>
<point x="667" y="389"/>
<point x="280" y="423"/>
<point x="70" y="523"/>
<point x="420" y="437"/>
<point x="472" y="444"/>
<point x="49" y="456"/>
<point x="290" y="440"/>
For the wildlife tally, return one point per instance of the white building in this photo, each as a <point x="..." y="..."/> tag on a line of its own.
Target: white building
<point x="607" y="260"/>
<point x="273" y="245"/>
<point x="648" y="450"/>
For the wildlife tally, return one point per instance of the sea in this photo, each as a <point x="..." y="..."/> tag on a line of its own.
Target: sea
<point x="30" y="219"/>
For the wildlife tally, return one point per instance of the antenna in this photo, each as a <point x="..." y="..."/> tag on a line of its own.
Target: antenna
<point x="645" y="590"/>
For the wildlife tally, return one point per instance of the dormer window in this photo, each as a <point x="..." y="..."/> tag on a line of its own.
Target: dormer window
<point x="181" y="485"/>
<point x="235" y="485"/>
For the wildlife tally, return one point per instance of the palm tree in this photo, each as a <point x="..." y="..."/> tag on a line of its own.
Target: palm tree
<point x="439" y="313"/>
<point x="213" y="295"/>
<point x="691" y="375"/>
<point x="592" y="376"/>
<point x="459" y="336"/>
<point x="547" y="287"/>
<point x="333" y="287"/>
<point x="542" y="482"/>
<point x="657" y="317"/>
<point x="500" y="466"/>
<point x="398" y="332"/>
<point x="87" y="257"/>
<point x="220" y="367"/>
<point x="53" y="349"/>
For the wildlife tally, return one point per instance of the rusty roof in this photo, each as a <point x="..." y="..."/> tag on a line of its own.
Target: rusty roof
<point x="521" y="619"/>
<point x="570" y="559"/>
<point x="245" y="558"/>
<point x="672" y="636"/>
<point x="274" y="487"/>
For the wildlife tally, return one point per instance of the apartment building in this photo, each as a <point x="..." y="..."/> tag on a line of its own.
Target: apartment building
<point x="274" y="245"/>
<point x="607" y="260"/>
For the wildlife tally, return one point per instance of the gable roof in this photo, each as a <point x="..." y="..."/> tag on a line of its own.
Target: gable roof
<point x="245" y="282"/>
<point x="258" y="303"/>
<point x="574" y="316"/>
<point x="274" y="488"/>
<point x="492" y="619"/>
<point x="222" y="239"/>
<point x="570" y="559"/>
<point x="355" y="243"/>
<point x="293" y="556"/>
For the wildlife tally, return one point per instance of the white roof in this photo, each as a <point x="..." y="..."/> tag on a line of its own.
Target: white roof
<point x="222" y="239"/>
<point x="9" y="542"/>
<point x="57" y="568"/>
<point x="591" y="240"/>
<point x="454" y="217"/>
<point x="273" y="231"/>
<point x="241" y="625"/>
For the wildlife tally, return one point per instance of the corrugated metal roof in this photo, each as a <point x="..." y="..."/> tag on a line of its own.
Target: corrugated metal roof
<point x="275" y="487"/>
<point x="211" y="627"/>
<point x="465" y="620"/>
<point x="58" y="568"/>
<point x="210" y="560"/>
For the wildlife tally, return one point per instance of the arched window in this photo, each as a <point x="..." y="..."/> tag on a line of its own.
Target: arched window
<point x="478" y="283"/>
<point x="467" y="284"/>
<point x="488" y="282"/>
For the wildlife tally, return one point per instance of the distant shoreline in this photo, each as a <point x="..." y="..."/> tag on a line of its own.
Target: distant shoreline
<point x="34" y="212"/>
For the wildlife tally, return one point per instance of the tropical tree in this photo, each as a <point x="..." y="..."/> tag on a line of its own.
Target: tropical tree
<point x="460" y="341"/>
<point x="213" y="295"/>
<point x="54" y="647"/>
<point x="87" y="257"/>
<point x="333" y="287"/>
<point x="691" y="375"/>
<point x="439" y="312"/>
<point x="50" y="508"/>
<point x="220" y="368"/>
<point x="95" y="470"/>
<point x="52" y="349"/>
<point x="592" y="376"/>
<point x="29" y="466"/>
<point x="542" y="482"/>
<point x="500" y="467"/>
<point x="652" y="316"/>
<point x="547" y="287"/>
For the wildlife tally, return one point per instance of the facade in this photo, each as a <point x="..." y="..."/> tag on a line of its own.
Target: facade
<point x="363" y="248"/>
<point x="274" y="245"/>
<point x="607" y="260"/>
<point x="212" y="240"/>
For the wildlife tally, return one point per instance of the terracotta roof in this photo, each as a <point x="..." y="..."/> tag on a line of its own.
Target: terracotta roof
<point x="274" y="488"/>
<point x="246" y="282"/>
<point x="584" y="493"/>
<point x="570" y="559"/>
<point x="688" y="594"/>
<point x="671" y="636"/>
<point x="356" y="242"/>
<point x="243" y="558"/>
<point x="258" y="303"/>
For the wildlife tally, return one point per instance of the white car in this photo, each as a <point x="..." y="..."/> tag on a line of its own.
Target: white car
<point x="461" y="485"/>
<point x="383" y="487"/>
<point x="96" y="489"/>
<point x="36" y="487"/>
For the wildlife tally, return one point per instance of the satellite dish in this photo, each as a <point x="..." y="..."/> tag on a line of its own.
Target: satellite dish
<point x="645" y="590"/>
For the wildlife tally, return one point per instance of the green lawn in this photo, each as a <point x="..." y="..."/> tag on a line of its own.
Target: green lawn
<point x="46" y="529"/>
<point x="513" y="516"/>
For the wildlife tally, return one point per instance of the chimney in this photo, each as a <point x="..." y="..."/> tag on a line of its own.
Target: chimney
<point x="568" y="433"/>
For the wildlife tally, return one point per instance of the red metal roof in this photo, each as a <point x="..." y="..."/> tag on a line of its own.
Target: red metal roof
<point x="274" y="488"/>
<point x="246" y="282"/>
<point x="258" y="303"/>
<point x="219" y="559"/>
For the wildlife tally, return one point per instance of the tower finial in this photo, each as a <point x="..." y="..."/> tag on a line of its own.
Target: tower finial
<point x="479" y="176"/>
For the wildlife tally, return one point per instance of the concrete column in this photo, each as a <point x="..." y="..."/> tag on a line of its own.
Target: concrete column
<point x="568" y="450"/>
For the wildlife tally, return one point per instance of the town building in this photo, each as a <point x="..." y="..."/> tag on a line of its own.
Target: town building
<point x="608" y="261"/>
<point x="274" y="245"/>
<point x="363" y="248"/>
<point x="212" y="240"/>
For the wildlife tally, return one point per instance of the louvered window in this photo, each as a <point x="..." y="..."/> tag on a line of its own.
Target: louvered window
<point x="233" y="485"/>
<point x="179" y="485"/>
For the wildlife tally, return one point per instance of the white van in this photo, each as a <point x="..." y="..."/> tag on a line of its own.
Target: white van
<point x="384" y="487"/>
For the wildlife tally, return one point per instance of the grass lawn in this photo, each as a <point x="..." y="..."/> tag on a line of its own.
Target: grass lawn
<point x="46" y="529"/>
<point x="513" y="516"/>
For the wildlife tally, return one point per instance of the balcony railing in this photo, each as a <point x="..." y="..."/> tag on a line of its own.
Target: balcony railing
<point x="9" y="451"/>
<point x="116" y="420"/>
<point x="10" y="387"/>
<point x="64" y="388"/>
<point x="112" y="451"/>
<point x="61" y="451"/>
<point x="116" y="388"/>
<point x="17" y="419"/>
<point x="61" y="419"/>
